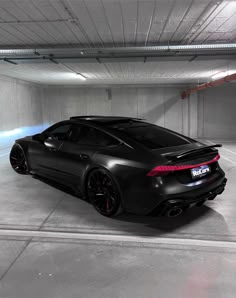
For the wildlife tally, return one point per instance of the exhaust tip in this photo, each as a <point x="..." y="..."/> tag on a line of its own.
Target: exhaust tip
<point x="175" y="211"/>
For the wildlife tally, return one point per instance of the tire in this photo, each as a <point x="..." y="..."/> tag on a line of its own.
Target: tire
<point x="103" y="192"/>
<point x="18" y="160"/>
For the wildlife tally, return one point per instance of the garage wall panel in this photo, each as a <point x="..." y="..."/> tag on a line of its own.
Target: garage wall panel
<point x="217" y="108"/>
<point x="151" y="105"/>
<point x="25" y="113"/>
<point x="9" y="105"/>
<point x="192" y="112"/>
<point x="62" y="103"/>
<point x="75" y="103"/>
<point x="173" y="109"/>
<point x="20" y="110"/>
<point x="124" y="102"/>
<point x="99" y="101"/>
<point x="159" y="105"/>
<point x="54" y="108"/>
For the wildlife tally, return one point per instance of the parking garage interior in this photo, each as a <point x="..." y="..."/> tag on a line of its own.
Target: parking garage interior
<point x="169" y="62"/>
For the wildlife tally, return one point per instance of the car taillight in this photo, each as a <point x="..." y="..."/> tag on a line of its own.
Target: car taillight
<point x="164" y="170"/>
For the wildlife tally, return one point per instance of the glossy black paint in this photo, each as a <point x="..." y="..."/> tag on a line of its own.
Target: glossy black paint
<point x="127" y="160"/>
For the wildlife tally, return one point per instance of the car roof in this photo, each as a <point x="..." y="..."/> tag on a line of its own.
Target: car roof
<point x="104" y="120"/>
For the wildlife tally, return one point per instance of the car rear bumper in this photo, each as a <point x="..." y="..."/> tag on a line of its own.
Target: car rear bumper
<point x="152" y="195"/>
<point x="189" y="200"/>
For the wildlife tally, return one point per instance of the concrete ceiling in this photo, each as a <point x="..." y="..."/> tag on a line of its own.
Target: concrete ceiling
<point x="100" y="23"/>
<point x="116" y="23"/>
<point x="118" y="72"/>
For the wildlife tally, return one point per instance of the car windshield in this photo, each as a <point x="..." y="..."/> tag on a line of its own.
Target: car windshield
<point x="153" y="137"/>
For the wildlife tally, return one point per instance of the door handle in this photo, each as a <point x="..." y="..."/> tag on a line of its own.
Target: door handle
<point x="83" y="156"/>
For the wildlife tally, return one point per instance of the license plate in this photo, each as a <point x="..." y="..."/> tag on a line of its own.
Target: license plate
<point x="200" y="171"/>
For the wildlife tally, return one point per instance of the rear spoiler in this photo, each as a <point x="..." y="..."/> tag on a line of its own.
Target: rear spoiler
<point x="183" y="154"/>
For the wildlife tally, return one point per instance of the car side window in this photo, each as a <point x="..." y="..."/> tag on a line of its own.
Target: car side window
<point x="59" y="132"/>
<point x="86" y="135"/>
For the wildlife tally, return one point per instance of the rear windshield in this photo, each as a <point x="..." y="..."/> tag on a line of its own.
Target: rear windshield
<point x="154" y="137"/>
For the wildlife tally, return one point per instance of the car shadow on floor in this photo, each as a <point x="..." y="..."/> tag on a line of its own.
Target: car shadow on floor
<point x="166" y="224"/>
<point x="198" y="221"/>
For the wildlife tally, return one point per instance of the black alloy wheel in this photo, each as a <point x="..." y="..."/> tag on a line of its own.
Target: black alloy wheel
<point x="103" y="193"/>
<point x="18" y="160"/>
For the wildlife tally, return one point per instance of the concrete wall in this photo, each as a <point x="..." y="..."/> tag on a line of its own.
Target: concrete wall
<point x="20" y="109"/>
<point x="27" y="108"/>
<point x="159" y="105"/>
<point x="217" y="112"/>
<point x="206" y="114"/>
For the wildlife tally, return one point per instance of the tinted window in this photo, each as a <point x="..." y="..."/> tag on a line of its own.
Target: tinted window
<point x="153" y="137"/>
<point x="85" y="135"/>
<point x="59" y="132"/>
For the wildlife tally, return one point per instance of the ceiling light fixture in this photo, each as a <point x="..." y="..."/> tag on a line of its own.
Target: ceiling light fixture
<point x="74" y="72"/>
<point x="222" y="74"/>
<point x="81" y="77"/>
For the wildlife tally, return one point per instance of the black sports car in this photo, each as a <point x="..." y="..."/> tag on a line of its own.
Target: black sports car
<point x="121" y="163"/>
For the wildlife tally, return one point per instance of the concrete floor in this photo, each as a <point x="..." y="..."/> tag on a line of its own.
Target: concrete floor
<point x="55" y="245"/>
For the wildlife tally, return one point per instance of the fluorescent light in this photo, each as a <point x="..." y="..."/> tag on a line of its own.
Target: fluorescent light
<point x="222" y="74"/>
<point x="219" y="75"/>
<point x="9" y="133"/>
<point x="81" y="77"/>
<point x="72" y="76"/>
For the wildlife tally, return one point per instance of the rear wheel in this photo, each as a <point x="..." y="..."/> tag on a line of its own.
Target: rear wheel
<point x="103" y="192"/>
<point x="18" y="160"/>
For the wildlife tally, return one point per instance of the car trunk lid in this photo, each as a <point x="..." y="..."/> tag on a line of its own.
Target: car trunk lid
<point x="188" y="163"/>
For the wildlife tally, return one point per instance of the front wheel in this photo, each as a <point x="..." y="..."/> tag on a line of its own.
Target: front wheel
<point x="103" y="192"/>
<point x="18" y="160"/>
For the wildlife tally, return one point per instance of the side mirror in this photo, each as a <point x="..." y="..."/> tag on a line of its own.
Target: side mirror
<point x="38" y="137"/>
<point x="52" y="144"/>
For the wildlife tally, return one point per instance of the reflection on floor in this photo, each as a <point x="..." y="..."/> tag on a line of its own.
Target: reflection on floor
<point x="38" y="265"/>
